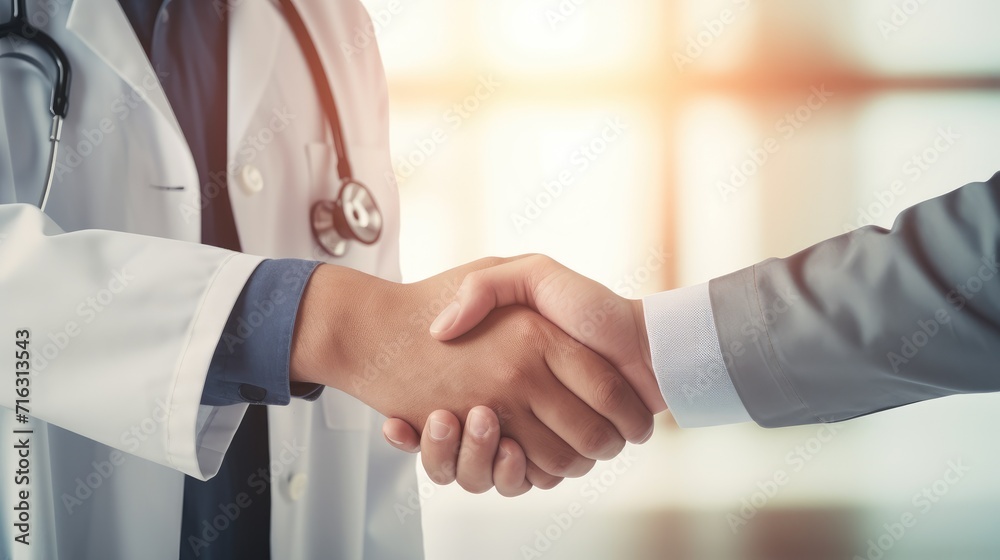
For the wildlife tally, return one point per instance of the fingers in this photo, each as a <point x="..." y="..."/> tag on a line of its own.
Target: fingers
<point x="401" y="435"/>
<point x="604" y="391"/>
<point x="541" y="479"/>
<point x="548" y="450"/>
<point x="510" y="469"/>
<point x="482" y="459"/>
<point x="480" y="443"/>
<point x="587" y="432"/>
<point x="439" y="446"/>
<point x="512" y="282"/>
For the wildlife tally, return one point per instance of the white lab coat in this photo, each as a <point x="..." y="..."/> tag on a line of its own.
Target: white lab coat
<point x="123" y="326"/>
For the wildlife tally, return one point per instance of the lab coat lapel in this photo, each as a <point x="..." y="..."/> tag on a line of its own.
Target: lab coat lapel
<point x="104" y="28"/>
<point x="253" y="38"/>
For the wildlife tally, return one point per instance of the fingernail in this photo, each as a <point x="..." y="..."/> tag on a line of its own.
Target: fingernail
<point x="503" y="452"/>
<point x="439" y="430"/>
<point x="446" y="318"/>
<point x="392" y="440"/>
<point x="478" y="425"/>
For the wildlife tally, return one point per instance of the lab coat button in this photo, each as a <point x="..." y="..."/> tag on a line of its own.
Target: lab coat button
<point x="297" y="486"/>
<point x="251" y="179"/>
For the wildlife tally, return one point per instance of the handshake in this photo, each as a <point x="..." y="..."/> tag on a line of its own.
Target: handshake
<point x="550" y="370"/>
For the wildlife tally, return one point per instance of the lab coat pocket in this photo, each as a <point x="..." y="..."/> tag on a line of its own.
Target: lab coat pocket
<point x="344" y="412"/>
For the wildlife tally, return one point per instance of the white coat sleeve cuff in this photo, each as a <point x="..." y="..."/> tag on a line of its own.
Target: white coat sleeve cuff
<point x="198" y="436"/>
<point x="688" y="361"/>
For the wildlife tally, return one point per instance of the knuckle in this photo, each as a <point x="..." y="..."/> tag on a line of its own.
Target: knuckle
<point x="525" y="323"/>
<point x="610" y="394"/>
<point x="600" y="440"/>
<point x="472" y="282"/>
<point x="488" y="262"/>
<point x="560" y="464"/>
<point x="505" y="414"/>
<point x="538" y="259"/>
<point x="568" y="465"/>
<point x="510" y="375"/>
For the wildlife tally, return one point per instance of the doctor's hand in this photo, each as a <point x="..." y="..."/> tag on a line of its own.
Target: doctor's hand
<point x="591" y="313"/>
<point x="564" y="404"/>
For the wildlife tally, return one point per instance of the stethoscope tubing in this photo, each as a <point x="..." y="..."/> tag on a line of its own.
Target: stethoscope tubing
<point x="338" y="208"/>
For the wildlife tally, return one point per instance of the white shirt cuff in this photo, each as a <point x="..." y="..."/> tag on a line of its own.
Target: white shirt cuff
<point x="688" y="361"/>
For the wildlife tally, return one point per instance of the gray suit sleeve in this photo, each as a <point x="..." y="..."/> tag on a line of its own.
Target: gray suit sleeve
<point x="872" y="319"/>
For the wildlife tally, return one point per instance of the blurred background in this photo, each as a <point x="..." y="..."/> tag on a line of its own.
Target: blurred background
<point x="653" y="144"/>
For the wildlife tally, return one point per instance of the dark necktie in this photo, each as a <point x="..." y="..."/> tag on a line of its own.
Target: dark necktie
<point x="228" y="516"/>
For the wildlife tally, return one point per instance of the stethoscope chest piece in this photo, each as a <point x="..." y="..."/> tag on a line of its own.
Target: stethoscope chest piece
<point x="352" y="216"/>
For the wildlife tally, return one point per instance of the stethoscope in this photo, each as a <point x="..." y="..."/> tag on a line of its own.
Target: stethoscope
<point x="352" y="216"/>
<point x="18" y="26"/>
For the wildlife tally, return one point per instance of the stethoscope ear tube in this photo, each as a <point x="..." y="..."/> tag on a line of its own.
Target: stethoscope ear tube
<point x="59" y="106"/>
<point x="19" y="26"/>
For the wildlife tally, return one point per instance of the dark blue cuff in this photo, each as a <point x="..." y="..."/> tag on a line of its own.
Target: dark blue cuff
<point x="252" y="359"/>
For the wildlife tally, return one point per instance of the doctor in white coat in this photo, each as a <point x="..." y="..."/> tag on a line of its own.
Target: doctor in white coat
<point x="121" y="142"/>
<point x="125" y="311"/>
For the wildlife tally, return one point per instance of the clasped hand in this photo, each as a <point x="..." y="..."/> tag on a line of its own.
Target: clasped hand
<point x="550" y="370"/>
<point x="612" y="327"/>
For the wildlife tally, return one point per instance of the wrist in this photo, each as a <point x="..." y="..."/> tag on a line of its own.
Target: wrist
<point x="319" y="353"/>
<point x="649" y="389"/>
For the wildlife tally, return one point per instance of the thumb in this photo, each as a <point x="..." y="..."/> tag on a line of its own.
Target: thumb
<point x="482" y="291"/>
<point x="401" y="435"/>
